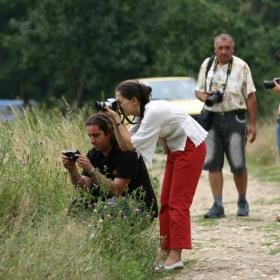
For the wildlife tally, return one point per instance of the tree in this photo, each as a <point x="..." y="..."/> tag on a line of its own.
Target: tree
<point x="87" y="46"/>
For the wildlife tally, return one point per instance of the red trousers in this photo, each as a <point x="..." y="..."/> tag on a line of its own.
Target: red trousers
<point x="182" y="173"/>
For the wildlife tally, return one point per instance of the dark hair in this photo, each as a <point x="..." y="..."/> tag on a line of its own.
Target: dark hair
<point x="142" y="92"/>
<point x="105" y="124"/>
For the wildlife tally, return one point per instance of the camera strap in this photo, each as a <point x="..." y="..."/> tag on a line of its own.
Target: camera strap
<point x="125" y="117"/>
<point x="215" y="69"/>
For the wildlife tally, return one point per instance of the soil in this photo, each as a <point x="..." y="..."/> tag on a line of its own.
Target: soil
<point x="233" y="247"/>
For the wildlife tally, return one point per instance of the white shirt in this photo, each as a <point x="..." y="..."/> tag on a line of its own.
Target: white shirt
<point x="166" y="120"/>
<point x="239" y="85"/>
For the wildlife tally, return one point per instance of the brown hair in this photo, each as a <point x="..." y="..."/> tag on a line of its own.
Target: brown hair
<point x="142" y="92"/>
<point x="105" y="124"/>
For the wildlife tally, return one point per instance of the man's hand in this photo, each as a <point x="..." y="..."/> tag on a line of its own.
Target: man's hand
<point x="84" y="163"/>
<point x="203" y="96"/>
<point x="277" y="87"/>
<point x="252" y="133"/>
<point x="67" y="163"/>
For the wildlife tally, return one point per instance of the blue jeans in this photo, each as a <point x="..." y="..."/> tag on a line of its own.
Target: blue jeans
<point x="278" y="137"/>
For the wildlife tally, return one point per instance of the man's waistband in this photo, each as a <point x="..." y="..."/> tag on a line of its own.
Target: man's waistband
<point x="233" y="112"/>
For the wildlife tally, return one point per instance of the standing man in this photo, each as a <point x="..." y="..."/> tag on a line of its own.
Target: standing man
<point x="228" y="133"/>
<point x="108" y="165"/>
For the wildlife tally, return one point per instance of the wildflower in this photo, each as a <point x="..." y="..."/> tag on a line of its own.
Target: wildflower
<point x="137" y="210"/>
<point x="90" y="205"/>
<point x="124" y="217"/>
<point x="41" y="141"/>
<point x="84" y="222"/>
<point x="15" y="181"/>
<point x="100" y="221"/>
<point x="109" y="216"/>
<point x="24" y="162"/>
<point x="110" y="203"/>
<point x="7" y="120"/>
<point x="94" y="210"/>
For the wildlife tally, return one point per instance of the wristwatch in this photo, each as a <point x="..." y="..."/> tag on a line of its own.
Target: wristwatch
<point x="93" y="171"/>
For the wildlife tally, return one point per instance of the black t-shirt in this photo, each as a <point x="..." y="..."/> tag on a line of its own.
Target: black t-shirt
<point x="119" y="164"/>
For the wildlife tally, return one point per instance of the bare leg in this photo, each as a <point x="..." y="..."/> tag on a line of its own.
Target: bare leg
<point x="174" y="256"/>
<point x="216" y="182"/>
<point x="241" y="182"/>
<point x="163" y="254"/>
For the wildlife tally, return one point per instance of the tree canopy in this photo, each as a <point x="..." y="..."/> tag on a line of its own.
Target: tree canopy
<point x="79" y="49"/>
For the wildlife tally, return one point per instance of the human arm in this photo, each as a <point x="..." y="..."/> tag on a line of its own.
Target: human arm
<point x="76" y="178"/>
<point x="251" y="103"/>
<point x="115" y="187"/>
<point x="122" y="134"/>
<point x="202" y="96"/>
<point x="163" y="143"/>
<point x="277" y="87"/>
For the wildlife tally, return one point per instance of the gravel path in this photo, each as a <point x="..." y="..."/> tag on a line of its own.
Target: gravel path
<point x="233" y="247"/>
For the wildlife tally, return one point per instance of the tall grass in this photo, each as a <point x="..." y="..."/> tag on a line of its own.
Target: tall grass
<point x="264" y="150"/>
<point x="38" y="240"/>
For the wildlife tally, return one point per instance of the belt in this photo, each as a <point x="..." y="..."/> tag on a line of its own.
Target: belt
<point x="234" y="112"/>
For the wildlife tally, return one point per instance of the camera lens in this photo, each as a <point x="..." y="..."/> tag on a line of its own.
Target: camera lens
<point x="268" y="84"/>
<point x="99" y="106"/>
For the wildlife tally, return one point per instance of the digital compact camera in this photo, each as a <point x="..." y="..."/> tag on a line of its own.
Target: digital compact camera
<point x="71" y="154"/>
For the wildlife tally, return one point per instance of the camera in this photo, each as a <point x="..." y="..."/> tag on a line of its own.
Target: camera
<point x="71" y="154"/>
<point x="111" y="103"/>
<point x="270" y="84"/>
<point x="216" y="96"/>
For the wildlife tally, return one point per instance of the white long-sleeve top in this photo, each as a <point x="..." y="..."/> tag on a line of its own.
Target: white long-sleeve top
<point x="164" y="119"/>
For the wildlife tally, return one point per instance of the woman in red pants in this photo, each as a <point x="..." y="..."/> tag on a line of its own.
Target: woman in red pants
<point x="182" y="139"/>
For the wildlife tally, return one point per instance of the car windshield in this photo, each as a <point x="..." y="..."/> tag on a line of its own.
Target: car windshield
<point x="172" y="90"/>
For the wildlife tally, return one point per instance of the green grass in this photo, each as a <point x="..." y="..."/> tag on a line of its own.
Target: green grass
<point x="38" y="241"/>
<point x="275" y="252"/>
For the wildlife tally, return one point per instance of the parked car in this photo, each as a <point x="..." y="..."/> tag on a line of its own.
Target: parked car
<point x="178" y="90"/>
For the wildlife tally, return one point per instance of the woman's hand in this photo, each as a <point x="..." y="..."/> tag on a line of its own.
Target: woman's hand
<point x="112" y="114"/>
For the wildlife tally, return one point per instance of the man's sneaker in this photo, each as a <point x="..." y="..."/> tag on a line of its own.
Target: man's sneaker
<point x="215" y="212"/>
<point x="243" y="208"/>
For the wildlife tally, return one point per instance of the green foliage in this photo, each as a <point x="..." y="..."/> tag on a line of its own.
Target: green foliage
<point x="113" y="239"/>
<point x="83" y="49"/>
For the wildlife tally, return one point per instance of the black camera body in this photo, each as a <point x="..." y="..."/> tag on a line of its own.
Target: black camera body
<point x="270" y="84"/>
<point x="216" y="96"/>
<point x="110" y="103"/>
<point x="71" y="154"/>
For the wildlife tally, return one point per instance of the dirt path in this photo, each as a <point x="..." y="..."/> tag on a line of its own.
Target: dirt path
<point x="231" y="247"/>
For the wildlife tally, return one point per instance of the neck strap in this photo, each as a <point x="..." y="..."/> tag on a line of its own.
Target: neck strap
<point x="228" y="72"/>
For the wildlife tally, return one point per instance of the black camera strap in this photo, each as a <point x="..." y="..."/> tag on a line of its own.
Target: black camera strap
<point x="215" y="69"/>
<point x="125" y="117"/>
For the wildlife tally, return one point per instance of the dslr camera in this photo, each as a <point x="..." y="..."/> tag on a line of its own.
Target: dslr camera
<point x="110" y="103"/>
<point x="216" y="96"/>
<point x="270" y="84"/>
<point x="71" y="154"/>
